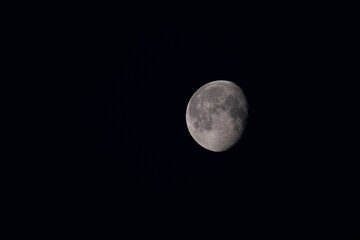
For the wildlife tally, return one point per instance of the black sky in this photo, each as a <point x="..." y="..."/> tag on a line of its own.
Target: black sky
<point x="140" y="98"/>
<point x="122" y="86"/>
<point x="104" y="133"/>
<point x="126" y="86"/>
<point x="132" y="84"/>
<point x="133" y="145"/>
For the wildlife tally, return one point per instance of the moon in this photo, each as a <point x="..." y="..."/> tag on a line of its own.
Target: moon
<point x="216" y="115"/>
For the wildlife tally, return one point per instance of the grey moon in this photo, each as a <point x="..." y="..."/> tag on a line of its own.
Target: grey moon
<point x="216" y="115"/>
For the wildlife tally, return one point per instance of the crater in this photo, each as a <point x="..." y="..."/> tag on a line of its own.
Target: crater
<point x="201" y="118"/>
<point x="204" y="122"/>
<point x="224" y="107"/>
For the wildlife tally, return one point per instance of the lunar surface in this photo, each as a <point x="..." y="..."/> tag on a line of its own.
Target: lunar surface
<point x="216" y="115"/>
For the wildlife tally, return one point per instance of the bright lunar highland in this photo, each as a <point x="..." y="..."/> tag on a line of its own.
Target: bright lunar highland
<point x="216" y="115"/>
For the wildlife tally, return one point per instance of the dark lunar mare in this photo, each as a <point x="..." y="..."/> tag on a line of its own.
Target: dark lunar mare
<point x="230" y="101"/>
<point x="236" y="109"/>
<point x="238" y="112"/>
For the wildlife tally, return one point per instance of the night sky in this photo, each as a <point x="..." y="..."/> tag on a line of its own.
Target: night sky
<point x="101" y="134"/>
<point x="124" y="141"/>
<point x="140" y="99"/>
<point x="133" y="88"/>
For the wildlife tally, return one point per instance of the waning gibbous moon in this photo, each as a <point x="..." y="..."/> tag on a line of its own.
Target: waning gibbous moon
<point x="216" y="115"/>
